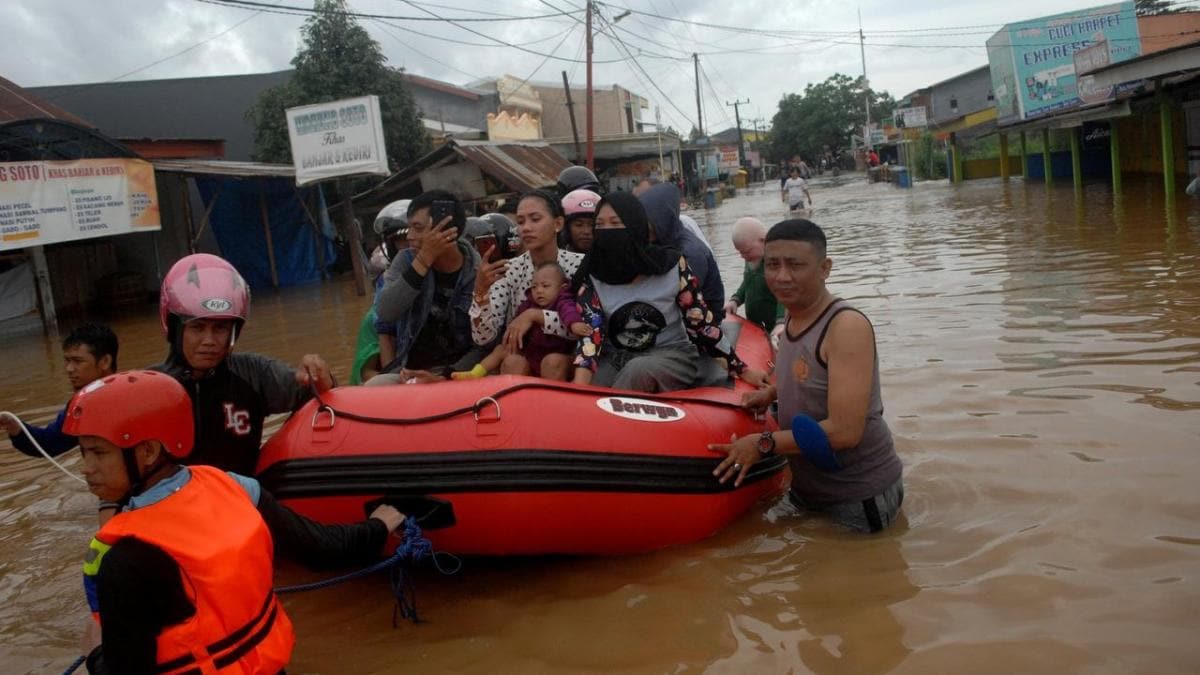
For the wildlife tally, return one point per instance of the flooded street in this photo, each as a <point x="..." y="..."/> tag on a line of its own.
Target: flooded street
<point x="1040" y="358"/>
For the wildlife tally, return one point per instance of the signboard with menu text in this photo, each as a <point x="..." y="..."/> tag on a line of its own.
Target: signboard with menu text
<point x="338" y="138"/>
<point x="50" y="202"/>
<point x="1032" y="63"/>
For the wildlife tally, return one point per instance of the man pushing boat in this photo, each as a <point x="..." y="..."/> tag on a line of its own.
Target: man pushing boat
<point x="842" y="457"/>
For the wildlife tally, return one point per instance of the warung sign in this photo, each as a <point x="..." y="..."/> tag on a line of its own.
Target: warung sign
<point x="55" y="201"/>
<point x="338" y="138"/>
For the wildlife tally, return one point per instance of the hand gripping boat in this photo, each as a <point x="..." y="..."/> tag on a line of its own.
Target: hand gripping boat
<point x="529" y="466"/>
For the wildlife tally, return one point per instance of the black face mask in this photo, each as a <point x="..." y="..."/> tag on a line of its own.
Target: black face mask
<point x="615" y="256"/>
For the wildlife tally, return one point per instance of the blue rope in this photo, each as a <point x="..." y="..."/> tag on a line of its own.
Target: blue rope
<point x="414" y="548"/>
<point x="75" y="666"/>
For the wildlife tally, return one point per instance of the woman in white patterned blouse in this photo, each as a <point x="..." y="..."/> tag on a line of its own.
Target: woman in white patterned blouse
<point x="500" y="286"/>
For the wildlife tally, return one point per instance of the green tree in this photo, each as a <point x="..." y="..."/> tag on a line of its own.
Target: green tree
<point x="1151" y="7"/>
<point x="338" y="59"/>
<point x="824" y="117"/>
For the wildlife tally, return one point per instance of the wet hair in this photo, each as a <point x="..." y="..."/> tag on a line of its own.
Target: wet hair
<point x="100" y="340"/>
<point x="799" y="229"/>
<point x="550" y="263"/>
<point x="426" y="200"/>
<point x="552" y="201"/>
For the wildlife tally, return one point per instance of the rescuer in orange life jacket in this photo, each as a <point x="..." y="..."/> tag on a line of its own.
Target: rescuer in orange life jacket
<point x="215" y="529"/>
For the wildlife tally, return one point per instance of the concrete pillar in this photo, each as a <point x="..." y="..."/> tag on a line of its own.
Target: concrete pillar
<point x="1024" y="158"/>
<point x="1114" y="153"/>
<point x="1168" y="143"/>
<point x="1004" y="156"/>
<point x="1076" y="165"/>
<point x="1046" y="157"/>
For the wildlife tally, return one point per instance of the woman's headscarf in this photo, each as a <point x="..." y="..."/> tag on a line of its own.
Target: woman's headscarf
<point x="619" y="255"/>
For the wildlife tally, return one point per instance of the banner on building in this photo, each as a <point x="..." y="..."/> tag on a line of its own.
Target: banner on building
<point x="728" y="157"/>
<point x="50" y="202"/>
<point x="338" y="138"/>
<point x="911" y="117"/>
<point x="1033" y="63"/>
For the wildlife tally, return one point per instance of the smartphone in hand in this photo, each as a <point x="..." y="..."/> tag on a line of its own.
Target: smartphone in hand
<point x="440" y="210"/>
<point x="485" y="243"/>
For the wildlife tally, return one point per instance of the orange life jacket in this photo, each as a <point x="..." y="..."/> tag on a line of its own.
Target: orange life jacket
<point x="224" y="551"/>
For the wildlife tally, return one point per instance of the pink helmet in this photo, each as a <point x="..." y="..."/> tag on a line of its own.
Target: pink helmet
<point x="203" y="286"/>
<point x="580" y="203"/>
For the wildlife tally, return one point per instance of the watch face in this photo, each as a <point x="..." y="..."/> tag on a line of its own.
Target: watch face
<point x="766" y="443"/>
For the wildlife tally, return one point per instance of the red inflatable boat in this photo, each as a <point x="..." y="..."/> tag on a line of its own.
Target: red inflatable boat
<point x="530" y="466"/>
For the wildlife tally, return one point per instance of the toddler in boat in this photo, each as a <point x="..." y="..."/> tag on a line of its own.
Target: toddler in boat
<point x="550" y="291"/>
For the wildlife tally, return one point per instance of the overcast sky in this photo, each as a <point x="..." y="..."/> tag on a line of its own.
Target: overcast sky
<point x="74" y="41"/>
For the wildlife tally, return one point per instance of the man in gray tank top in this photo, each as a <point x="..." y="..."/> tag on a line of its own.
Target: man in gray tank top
<point x="840" y="449"/>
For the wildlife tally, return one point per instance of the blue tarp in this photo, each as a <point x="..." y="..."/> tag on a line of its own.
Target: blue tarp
<point x="236" y="221"/>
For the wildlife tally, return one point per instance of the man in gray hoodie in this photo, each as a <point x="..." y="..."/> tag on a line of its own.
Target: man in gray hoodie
<point x="662" y="208"/>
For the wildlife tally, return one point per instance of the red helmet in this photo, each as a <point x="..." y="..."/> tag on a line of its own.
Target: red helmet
<point x="580" y="203"/>
<point x="128" y="408"/>
<point x="203" y="286"/>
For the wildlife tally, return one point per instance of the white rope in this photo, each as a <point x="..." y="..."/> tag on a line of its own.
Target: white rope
<point x="25" y="429"/>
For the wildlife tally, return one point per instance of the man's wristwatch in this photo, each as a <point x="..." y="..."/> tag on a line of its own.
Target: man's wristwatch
<point x="766" y="443"/>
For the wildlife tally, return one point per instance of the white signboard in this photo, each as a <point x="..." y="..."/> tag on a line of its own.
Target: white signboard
<point x="912" y="117"/>
<point x="338" y="138"/>
<point x="50" y="202"/>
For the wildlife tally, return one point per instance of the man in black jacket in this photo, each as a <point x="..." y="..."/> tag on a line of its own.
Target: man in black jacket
<point x="203" y="308"/>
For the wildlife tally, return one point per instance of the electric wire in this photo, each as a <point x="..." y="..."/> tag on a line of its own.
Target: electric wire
<point x="364" y="15"/>
<point x="634" y="61"/>
<point x="383" y="26"/>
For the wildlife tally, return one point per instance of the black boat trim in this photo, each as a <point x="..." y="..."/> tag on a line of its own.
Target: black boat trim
<point x="503" y="471"/>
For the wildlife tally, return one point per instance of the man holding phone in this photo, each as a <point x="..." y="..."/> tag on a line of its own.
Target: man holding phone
<point x="426" y="295"/>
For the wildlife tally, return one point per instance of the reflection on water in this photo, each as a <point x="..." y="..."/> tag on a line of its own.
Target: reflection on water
<point x="1040" y="357"/>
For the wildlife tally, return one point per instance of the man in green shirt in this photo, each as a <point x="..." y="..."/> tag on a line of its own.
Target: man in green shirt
<point x="749" y="235"/>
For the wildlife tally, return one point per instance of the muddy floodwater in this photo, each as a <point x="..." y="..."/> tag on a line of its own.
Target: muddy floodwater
<point x="1040" y="357"/>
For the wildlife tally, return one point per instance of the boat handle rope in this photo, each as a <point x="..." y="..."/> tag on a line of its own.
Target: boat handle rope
<point x="495" y="398"/>
<point x="317" y="415"/>
<point x="38" y="446"/>
<point x="414" y="548"/>
<point x="479" y="407"/>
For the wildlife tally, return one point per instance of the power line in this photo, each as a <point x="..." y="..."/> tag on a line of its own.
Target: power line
<point x="634" y="61"/>
<point x="455" y="23"/>
<point x="384" y="27"/>
<point x="440" y="38"/>
<point x="363" y="15"/>
<point x="543" y="63"/>
<point x="135" y="71"/>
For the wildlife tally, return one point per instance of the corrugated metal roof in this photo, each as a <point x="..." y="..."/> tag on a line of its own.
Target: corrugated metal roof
<point x="18" y="104"/>
<point x="520" y="167"/>
<point x="224" y="168"/>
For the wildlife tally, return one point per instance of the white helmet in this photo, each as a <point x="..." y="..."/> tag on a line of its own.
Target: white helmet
<point x="392" y="217"/>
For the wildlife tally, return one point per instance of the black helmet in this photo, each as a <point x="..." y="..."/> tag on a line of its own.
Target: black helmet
<point x="476" y="227"/>
<point x="576" y="178"/>
<point x="508" y="244"/>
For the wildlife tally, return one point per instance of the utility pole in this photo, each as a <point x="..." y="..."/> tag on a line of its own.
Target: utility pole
<point x="862" y="47"/>
<point x="658" y="135"/>
<point x="571" y="112"/>
<point x="591" y="140"/>
<point x="738" y="119"/>
<point x="699" y="110"/>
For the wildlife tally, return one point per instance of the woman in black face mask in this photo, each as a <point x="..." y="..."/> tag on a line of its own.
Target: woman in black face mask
<point x="649" y="320"/>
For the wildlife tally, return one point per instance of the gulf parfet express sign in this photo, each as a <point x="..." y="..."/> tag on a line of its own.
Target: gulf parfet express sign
<point x="51" y="202"/>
